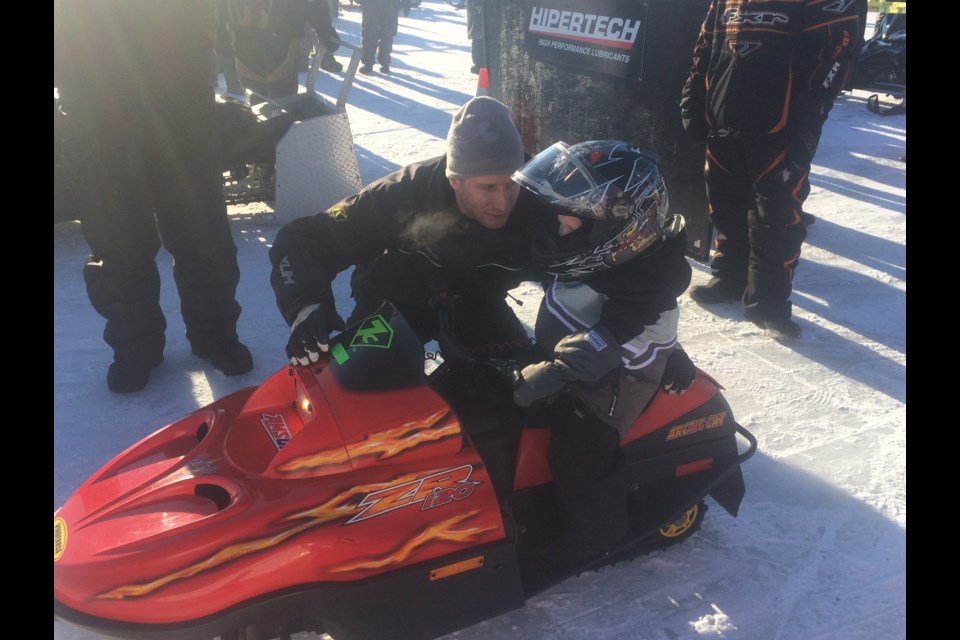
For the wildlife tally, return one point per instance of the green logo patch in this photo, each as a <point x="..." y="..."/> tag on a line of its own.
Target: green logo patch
<point x="374" y="332"/>
<point x="340" y="354"/>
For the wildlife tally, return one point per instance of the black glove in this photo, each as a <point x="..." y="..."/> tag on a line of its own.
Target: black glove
<point x="310" y="334"/>
<point x="506" y="371"/>
<point x="805" y="130"/>
<point x="678" y="373"/>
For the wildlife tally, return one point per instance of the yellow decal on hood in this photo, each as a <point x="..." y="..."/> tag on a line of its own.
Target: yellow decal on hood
<point x="59" y="537"/>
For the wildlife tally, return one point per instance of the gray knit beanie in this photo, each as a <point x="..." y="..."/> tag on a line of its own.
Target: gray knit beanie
<point x="483" y="141"/>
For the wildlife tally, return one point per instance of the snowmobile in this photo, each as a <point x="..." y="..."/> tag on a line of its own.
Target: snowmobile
<point x="882" y="64"/>
<point x="364" y="497"/>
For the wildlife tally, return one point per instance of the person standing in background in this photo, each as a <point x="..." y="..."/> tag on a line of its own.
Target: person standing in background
<point x="272" y="45"/>
<point x="763" y="81"/>
<point x="139" y="79"/>
<point x="475" y="33"/>
<point x="378" y="27"/>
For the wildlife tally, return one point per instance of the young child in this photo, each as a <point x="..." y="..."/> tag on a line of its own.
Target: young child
<point x="616" y="266"/>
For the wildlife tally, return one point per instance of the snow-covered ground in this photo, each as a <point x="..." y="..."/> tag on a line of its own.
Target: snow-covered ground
<point x="819" y="547"/>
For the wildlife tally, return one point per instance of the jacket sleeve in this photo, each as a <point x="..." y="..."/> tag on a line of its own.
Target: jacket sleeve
<point x="693" y="97"/>
<point x="830" y="43"/>
<point x="321" y="19"/>
<point x="640" y="290"/>
<point x="308" y="253"/>
<point x="641" y="310"/>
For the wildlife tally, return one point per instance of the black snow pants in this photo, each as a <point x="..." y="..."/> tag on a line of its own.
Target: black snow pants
<point x="756" y="187"/>
<point x="157" y="180"/>
<point x="378" y="27"/>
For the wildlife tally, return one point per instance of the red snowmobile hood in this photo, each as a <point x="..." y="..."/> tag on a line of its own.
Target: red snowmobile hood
<point x="304" y="479"/>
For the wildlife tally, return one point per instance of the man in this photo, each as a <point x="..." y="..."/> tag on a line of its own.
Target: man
<point x="763" y="80"/>
<point x="138" y="78"/>
<point x="458" y="218"/>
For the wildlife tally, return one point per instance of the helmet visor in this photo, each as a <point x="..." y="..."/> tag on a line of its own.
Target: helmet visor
<point x="565" y="181"/>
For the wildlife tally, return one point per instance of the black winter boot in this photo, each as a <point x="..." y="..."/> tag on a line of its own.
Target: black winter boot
<point x="718" y="290"/>
<point x="232" y="358"/>
<point x="329" y="63"/>
<point x="129" y="375"/>
<point x="780" y="329"/>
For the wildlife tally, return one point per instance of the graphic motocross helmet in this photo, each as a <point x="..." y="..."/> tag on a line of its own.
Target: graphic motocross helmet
<point x="616" y="188"/>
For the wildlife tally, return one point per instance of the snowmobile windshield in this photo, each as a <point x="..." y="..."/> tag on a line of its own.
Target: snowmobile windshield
<point x="565" y="181"/>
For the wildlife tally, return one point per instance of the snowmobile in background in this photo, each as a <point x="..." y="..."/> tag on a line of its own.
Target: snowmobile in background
<point x="364" y="498"/>
<point x="249" y="134"/>
<point x="882" y="64"/>
<point x="303" y="137"/>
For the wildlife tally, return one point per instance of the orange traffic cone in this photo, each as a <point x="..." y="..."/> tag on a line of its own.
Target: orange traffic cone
<point x="483" y="83"/>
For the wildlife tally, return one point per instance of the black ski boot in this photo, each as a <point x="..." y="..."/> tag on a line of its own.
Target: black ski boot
<point x="780" y="329"/>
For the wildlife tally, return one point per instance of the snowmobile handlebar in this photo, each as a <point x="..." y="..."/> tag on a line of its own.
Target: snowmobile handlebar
<point x="504" y="372"/>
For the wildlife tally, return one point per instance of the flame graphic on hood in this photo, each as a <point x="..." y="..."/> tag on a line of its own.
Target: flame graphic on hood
<point x="339" y="506"/>
<point x="441" y="531"/>
<point x="384" y="445"/>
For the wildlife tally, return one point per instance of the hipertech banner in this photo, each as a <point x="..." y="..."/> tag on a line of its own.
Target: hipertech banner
<point x="605" y="36"/>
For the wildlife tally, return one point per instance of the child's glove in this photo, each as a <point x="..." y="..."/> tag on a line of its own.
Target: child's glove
<point x="679" y="372"/>
<point x="538" y="381"/>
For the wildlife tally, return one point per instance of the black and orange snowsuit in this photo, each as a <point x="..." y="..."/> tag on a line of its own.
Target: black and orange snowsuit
<point x="764" y="77"/>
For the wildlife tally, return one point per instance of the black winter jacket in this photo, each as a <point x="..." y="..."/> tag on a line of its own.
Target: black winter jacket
<point x="406" y="234"/>
<point x="608" y="336"/>
<point x="769" y="66"/>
